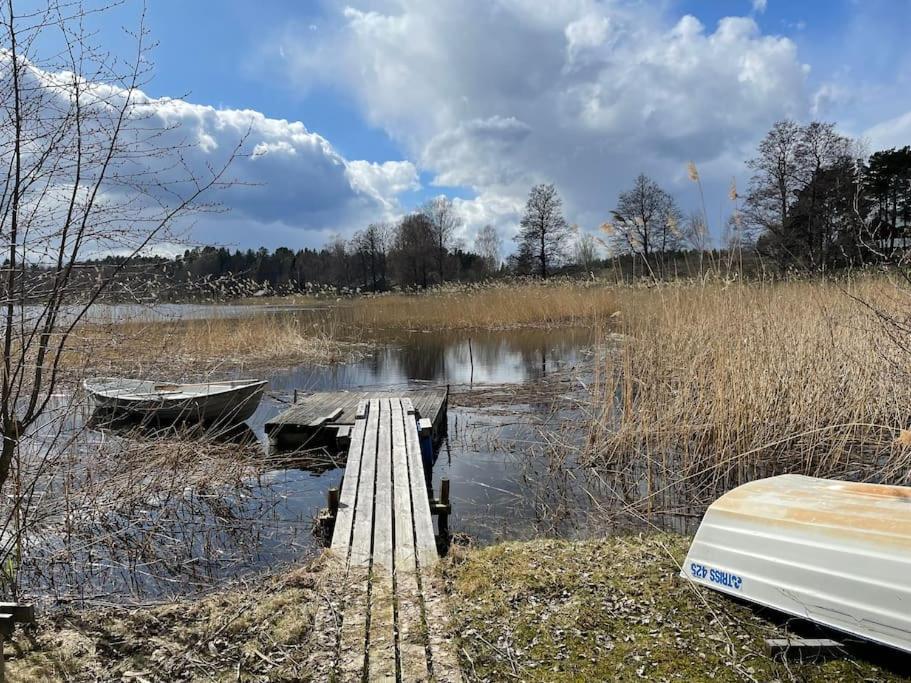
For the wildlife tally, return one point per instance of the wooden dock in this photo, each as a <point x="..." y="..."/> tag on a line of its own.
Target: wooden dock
<point x="382" y="616"/>
<point x="315" y="419"/>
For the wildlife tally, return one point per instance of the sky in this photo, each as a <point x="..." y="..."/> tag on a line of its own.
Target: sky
<point x="360" y="111"/>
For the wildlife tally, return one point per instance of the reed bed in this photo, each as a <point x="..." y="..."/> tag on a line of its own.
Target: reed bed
<point x="492" y="307"/>
<point x="194" y="346"/>
<point x="715" y="385"/>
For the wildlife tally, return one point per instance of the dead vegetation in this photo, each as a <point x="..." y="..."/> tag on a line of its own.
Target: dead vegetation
<point x="537" y="611"/>
<point x="251" y="630"/>
<point x="492" y="307"/>
<point x="717" y="385"/>
<point x="191" y="347"/>
<point x="122" y="514"/>
<point x="616" y="610"/>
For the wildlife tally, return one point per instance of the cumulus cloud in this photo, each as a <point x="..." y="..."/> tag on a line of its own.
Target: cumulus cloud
<point x="495" y="95"/>
<point x="289" y="185"/>
<point x="477" y="153"/>
<point x="291" y="181"/>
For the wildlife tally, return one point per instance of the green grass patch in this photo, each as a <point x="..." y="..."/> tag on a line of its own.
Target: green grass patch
<point x="612" y="610"/>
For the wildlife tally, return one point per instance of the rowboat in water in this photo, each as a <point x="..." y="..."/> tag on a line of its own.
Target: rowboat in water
<point x="833" y="552"/>
<point x="228" y="402"/>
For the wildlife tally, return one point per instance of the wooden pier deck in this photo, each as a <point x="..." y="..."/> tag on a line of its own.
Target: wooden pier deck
<point x="383" y="616"/>
<point x="314" y="419"/>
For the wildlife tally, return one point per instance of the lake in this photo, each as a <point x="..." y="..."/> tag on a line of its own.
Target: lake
<point x="517" y="410"/>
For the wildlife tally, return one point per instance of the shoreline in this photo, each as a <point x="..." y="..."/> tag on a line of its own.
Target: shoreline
<point x="543" y="610"/>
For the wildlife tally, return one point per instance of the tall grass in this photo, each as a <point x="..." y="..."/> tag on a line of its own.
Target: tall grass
<point x="192" y="346"/>
<point x="492" y="307"/>
<point x="719" y="384"/>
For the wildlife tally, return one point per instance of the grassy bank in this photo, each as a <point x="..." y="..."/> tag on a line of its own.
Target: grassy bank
<point x="538" y="611"/>
<point x="613" y="610"/>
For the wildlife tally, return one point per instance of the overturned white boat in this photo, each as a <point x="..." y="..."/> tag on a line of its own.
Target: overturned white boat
<point x="229" y="402"/>
<point x="833" y="552"/>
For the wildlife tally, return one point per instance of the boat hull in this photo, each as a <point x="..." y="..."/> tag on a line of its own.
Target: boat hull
<point x="836" y="553"/>
<point x="228" y="405"/>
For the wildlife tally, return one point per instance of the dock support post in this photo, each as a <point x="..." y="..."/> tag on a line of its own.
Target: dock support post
<point x="325" y="521"/>
<point x="425" y="436"/>
<point x="445" y="507"/>
<point x="333" y="501"/>
<point x="442" y="508"/>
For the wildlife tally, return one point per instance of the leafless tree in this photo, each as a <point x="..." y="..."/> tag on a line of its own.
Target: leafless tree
<point x="488" y="245"/>
<point x="791" y="188"/>
<point x="543" y="230"/>
<point x="586" y="249"/>
<point x="89" y="170"/>
<point x="412" y="250"/>
<point x="371" y="245"/>
<point x="443" y="221"/>
<point x="646" y="222"/>
<point x="694" y="233"/>
<point x="775" y="177"/>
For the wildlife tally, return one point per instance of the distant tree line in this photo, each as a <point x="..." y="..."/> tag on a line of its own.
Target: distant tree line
<point x="814" y="201"/>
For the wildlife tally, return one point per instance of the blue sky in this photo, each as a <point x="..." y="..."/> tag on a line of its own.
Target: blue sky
<point x="402" y="100"/>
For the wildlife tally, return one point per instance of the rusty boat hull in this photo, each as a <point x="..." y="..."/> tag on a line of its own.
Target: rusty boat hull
<point x="836" y="553"/>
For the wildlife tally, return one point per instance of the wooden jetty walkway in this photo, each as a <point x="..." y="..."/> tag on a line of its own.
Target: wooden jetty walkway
<point x="383" y="616"/>
<point x="316" y="419"/>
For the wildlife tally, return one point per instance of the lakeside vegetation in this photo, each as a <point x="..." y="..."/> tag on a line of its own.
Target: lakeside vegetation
<point x="193" y="347"/>
<point x="542" y="610"/>
<point x="494" y="307"/>
<point x="614" y="610"/>
<point x="717" y="385"/>
<point x="779" y="351"/>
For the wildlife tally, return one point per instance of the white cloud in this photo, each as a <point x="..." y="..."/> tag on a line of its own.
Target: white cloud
<point x="498" y="94"/>
<point x="895" y="132"/>
<point x="383" y="181"/>
<point x="759" y="6"/>
<point x="500" y="211"/>
<point x="291" y="185"/>
<point x="477" y="153"/>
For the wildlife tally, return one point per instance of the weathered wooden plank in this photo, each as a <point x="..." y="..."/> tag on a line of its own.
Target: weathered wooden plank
<point x="327" y="418"/>
<point x="353" y="636"/>
<point x="333" y="593"/>
<point x="21" y="612"/>
<point x="341" y="536"/>
<point x="381" y="640"/>
<point x="412" y="642"/>
<point x="444" y="663"/>
<point x="363" y="516"/>
<point x="351" y="654"/>
<point x="424" y="542"/>
<point x="794" y="647"/>
<point x="311" y="407"/>
<point x="392" y="610"/>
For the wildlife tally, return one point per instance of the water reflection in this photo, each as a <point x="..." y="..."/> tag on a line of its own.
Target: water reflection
<point x="447" y="358"/>
<point x="167" y="524"/>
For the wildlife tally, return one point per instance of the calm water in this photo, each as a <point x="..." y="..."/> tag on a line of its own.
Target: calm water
<point x="492" y="452"/>
<point x="508" y="390"/>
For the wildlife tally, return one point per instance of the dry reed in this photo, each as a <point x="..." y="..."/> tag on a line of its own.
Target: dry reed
<point x="192" y="346"/>
<point x="716" y="385"/>
<point x="491" y="307"/>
